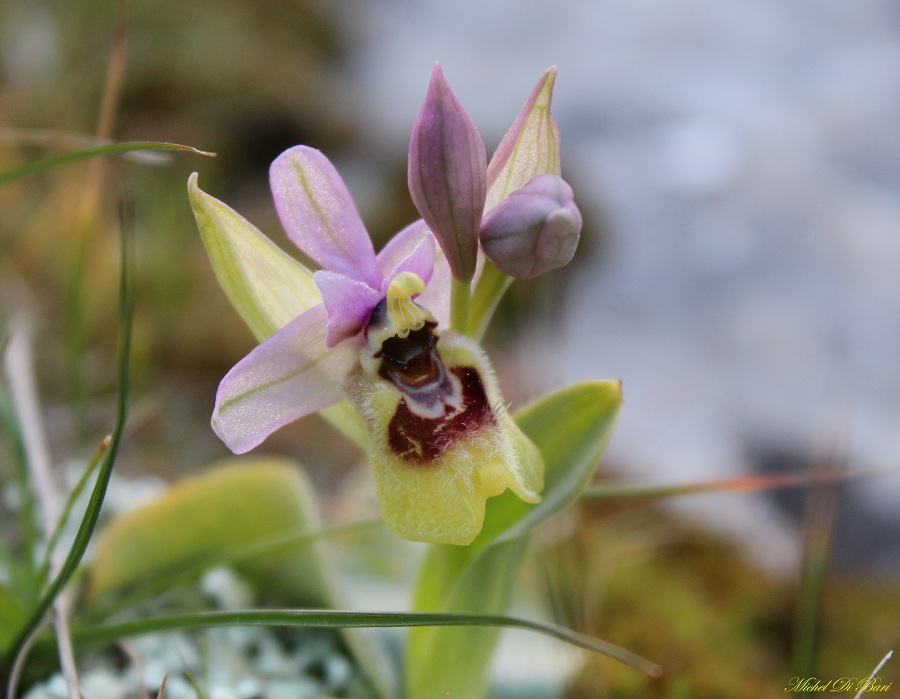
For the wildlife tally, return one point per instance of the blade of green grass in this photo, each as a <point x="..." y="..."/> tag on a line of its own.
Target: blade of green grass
<point x="92" y="513"/>
<point x="198" y="693"/>
<point x="818" y="530"/>
<point x="43" y="571"/>
<point x="48" y="138"/>
<point x="26" y="573"/>
<point x="343" y="619"/>
<point x="85" y="223"/>
<point x="93" y="152"/>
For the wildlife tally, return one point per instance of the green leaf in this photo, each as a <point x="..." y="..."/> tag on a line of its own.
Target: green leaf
<point x="219" y="516"/>
<point x="237" y="502"/>
<point x="572" y="429"/>
<point x="272" y="546"/>
<point x="107" y="149"/>
<point x="454" y="662"/>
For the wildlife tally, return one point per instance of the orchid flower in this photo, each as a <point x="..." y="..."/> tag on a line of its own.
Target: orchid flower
<point x="373" y="328"/>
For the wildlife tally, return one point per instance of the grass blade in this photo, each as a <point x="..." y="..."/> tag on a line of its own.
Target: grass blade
<point x="93" y="152"/>
<point x="92" y="513"/>
<point x="331" y="619"/>
<point x="26" y="574"/>
<point x="86" y="221"/>
<point x="67" y="509"/>
<point x="818" y="530"/>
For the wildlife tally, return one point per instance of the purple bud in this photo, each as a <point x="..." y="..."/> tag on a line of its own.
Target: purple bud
<point x="534" y="230"/>
<point x="447" y="175"/>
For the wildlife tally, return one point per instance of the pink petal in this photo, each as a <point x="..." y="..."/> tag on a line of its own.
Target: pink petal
<point x="412" y="250"/>
<point x="349" y="304"/>
<point x="290" y="375"/>
<point x="436" y="297"/>
<point x="319" y="215"/>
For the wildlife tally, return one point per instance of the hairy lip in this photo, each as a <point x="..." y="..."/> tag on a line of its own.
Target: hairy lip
<point x="421" y="440"/>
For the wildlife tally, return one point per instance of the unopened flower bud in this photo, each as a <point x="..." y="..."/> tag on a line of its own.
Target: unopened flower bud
<point x="447" y="175"/>
<point x="534" y="230"/>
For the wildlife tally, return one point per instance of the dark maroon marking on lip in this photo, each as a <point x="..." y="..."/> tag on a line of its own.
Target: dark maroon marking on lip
<point x="421" y="440"/>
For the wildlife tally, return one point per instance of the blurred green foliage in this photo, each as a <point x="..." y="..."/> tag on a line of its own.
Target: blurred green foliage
<point x="721" y="626"/>
<point x="245" y="80"/>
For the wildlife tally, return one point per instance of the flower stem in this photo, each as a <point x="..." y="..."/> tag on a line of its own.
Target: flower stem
<point x="459" y="305"/>
<point x="488" y="291"/>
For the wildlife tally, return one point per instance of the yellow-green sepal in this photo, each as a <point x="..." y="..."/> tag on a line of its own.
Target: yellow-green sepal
<point x="530" y="147"/>
<point x="267" y="287"/>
